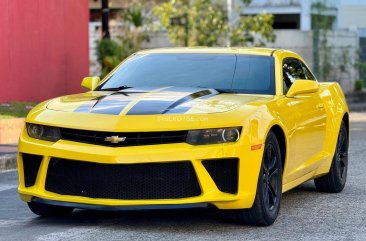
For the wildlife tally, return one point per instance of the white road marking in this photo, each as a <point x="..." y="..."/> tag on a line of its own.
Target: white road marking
<point x="10" y="170"/>
<point x="9" y="223"/>
<point x="358" y="129"/>
<point x="7" y="187"/>
<point x="80" y="233"/>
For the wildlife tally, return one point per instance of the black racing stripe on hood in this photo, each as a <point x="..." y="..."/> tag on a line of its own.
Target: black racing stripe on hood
<point x="88" y="105"/>
<point x="112" y="104"/>
<point x="186" y="99"/>
<point x="171" y="102"/>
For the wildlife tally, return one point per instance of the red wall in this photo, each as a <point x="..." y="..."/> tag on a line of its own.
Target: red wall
<point x="44" y="48"/>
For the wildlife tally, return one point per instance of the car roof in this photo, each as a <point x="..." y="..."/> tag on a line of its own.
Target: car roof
<point x="211" y="50"/>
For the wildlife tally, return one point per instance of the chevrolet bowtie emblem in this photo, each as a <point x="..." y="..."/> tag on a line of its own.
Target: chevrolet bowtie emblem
<point x="115" y="139"/>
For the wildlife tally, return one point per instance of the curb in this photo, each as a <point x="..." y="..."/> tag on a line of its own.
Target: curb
<point x="8" y="161"/>
<point x="357" y="117"/>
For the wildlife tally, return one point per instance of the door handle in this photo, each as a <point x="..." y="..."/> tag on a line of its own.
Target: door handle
<point x="320" y="106"/>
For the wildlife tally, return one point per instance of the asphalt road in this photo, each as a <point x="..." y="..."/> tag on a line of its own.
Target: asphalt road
<point x="305" y="215"/>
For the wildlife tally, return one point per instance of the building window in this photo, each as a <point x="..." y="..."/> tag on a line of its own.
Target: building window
<point x="362" y="68"/>
<point x="286" y="21"/>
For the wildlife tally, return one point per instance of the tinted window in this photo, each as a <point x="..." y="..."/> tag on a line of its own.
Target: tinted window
<point x="242" y="73"/>
<point x="254" y="74"/>
<point x="308" y="74"/>
<point x="294" y="69"/>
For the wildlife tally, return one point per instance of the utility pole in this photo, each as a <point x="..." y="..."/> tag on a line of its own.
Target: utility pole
<point x="229" y="5"/>
<point x="182" y="21"/>
<point x="186" y="29"/>
<point x="105" y="19"/>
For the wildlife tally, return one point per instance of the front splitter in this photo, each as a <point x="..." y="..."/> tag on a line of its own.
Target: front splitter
<point x="121" y="208"/>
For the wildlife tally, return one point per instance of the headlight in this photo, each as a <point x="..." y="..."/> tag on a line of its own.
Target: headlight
<point x="213" y="136"/>
<point x="41" y="132"/>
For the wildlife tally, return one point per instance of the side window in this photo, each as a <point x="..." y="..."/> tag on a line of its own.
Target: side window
<point x="308" y="74"/>
<point x="292" y="70"/>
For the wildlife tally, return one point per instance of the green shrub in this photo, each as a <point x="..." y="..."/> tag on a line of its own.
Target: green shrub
<point x="15" y="109"/>
<point x="358" y="85"/>
<point x="109" y="54"/>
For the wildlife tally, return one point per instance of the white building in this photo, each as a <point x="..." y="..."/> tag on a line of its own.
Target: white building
<point x="294" y="22"/>
<point x="352" y="14"/>
<point x="292" y="14"/>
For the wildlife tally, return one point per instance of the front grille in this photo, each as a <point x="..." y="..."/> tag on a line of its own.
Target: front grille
<point x="31" y="165"/>
<point x="224" y="172"/>
<point x="131" y="138"/>
<point x="122" y="181"/>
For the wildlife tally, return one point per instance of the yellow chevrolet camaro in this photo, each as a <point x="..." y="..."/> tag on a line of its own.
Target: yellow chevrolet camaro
<point x="230" y="128"/>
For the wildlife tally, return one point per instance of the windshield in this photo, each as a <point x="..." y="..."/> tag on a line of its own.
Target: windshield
<point x="227" y="72"/>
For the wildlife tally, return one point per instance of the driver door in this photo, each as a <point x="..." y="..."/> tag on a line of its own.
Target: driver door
<point x="306" y="119"/>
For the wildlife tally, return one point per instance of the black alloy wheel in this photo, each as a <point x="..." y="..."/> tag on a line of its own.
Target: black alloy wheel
<point x="269" y="188"/>
<point x="271" y="177"/>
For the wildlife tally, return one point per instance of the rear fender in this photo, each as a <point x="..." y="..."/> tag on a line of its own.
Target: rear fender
<point x="336" y="107"/>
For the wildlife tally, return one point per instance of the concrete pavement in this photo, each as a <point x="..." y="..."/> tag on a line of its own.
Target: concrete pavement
<point x="8" y="149"/>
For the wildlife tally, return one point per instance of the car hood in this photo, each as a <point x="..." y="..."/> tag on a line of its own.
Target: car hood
<point x="152" y="101"/>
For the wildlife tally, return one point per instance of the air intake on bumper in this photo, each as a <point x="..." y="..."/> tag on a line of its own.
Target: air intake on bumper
<point x="31" y="164"/>
<point x="224" y="172"/>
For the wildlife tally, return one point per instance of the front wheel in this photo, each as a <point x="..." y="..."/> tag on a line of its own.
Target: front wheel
<point x="269" y="188"/>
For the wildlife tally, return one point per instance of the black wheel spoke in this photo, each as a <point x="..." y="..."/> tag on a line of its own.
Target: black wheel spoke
<point x="340" y="141"/>
<point x="265" y="194"/>
<point x="343" y="154"/>
<point x="269" y="151"/>
<point x="343" y="162"/>
<point x="267" y="158"/>
<point x="273" y="187"/>
<point x="273" y="175"/>
<point x="272" y="196"/>
<point x="342" y="168"/>
<point x="272" y="164"/>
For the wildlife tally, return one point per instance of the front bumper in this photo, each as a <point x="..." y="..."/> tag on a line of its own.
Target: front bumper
<point x="248" y="169"/>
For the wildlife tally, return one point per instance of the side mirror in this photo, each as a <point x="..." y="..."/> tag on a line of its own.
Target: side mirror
<point x="90" y="82"/>
<point x="302" y="86"/>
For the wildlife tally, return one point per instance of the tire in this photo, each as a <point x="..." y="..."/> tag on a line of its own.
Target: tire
<point x="46" y="210"/>
<point x="335" y="180"/>
<point x="269" y="188"/>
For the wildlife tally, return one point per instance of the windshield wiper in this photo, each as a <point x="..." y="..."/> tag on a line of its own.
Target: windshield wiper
<point x="227" y="91"/>
<point x="122" y="87"/>
<point x="221" y="90"/>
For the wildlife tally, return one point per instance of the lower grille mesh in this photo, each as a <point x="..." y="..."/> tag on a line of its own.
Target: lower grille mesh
<point x="122" y="181"/>
<point x="224" y="172"/>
